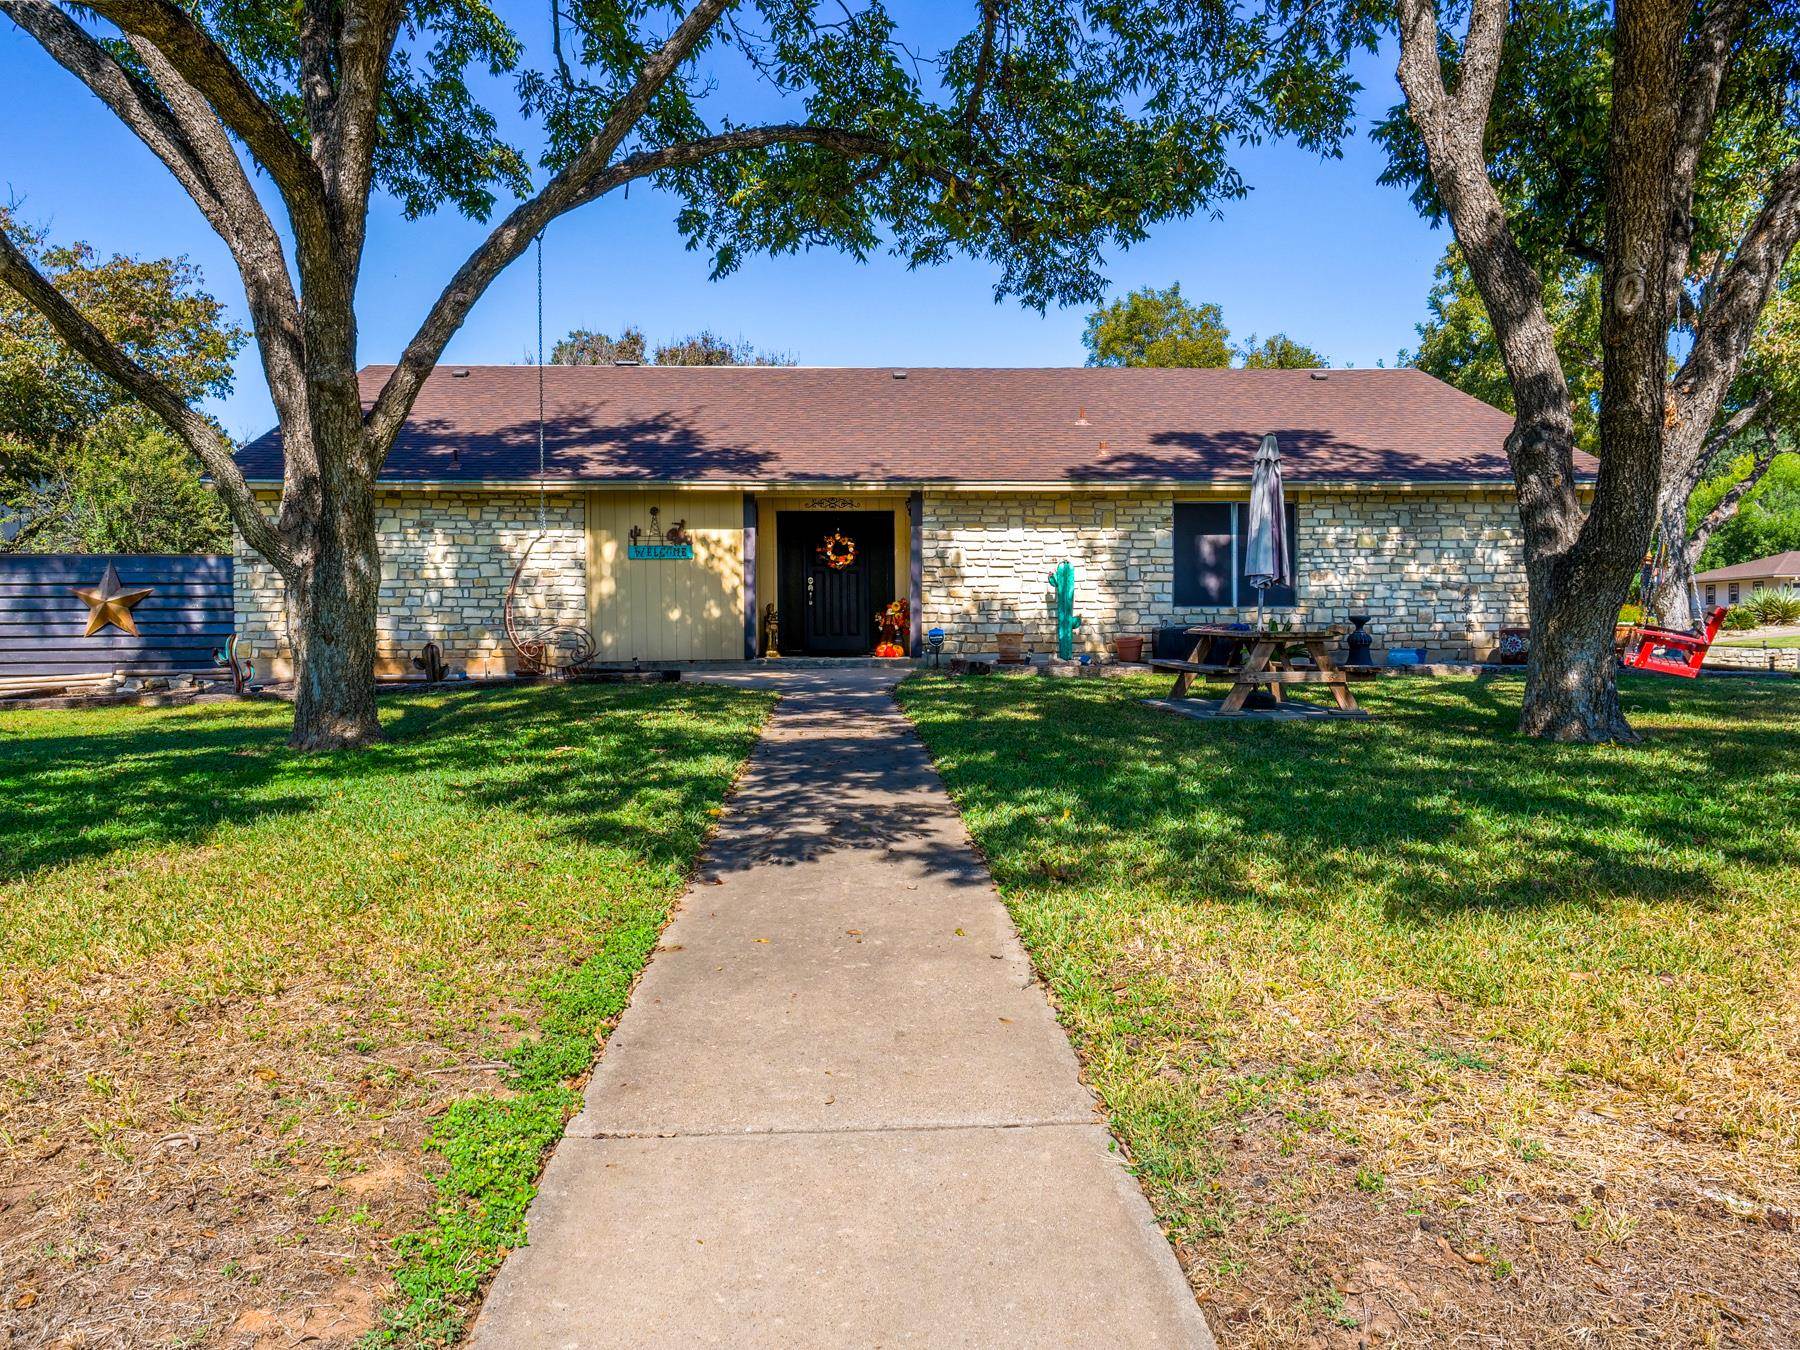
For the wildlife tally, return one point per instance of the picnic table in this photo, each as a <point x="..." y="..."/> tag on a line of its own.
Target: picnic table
<point x="1261" y="665"/>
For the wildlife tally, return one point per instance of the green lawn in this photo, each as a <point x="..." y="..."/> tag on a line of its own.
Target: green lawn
<point x="1786" y="640"/>
<point x="276" y="1027"/>
<point x="1414" y="1029"/>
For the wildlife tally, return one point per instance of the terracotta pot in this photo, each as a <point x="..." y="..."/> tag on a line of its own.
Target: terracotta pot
<point x="1128" y="647"/>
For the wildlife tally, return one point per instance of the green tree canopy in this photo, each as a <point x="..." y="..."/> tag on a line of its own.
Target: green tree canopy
<point x="1148" y="327"/>
<point x="1278" y="351"/>
<point x="583" y="347"/>
<point x="80" y="466"/>
<point x="1456" y="341"/>
<point x="1767" y="520"/>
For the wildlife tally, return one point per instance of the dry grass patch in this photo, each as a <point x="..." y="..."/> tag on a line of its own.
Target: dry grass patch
<point x="1419" y="1033"/>
<point x="252" y="1004"/>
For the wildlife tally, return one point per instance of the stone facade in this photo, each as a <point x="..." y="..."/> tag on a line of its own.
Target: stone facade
<point x="446" y="561"/>
<point x="1436" y="569"/>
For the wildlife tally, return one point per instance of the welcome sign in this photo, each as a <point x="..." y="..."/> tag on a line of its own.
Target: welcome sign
<point x="659" y="552"/>
<point x="657" y="544"/>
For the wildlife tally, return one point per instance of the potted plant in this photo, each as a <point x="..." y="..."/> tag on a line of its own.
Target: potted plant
<point x="1128" y="647"/>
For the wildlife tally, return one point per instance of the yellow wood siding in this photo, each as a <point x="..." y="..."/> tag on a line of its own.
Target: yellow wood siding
<point x="771" y="504"/>
<point x="667" y="610"/>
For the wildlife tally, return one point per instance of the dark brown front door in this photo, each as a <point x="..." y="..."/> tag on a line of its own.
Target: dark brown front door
<point x="827" y="610"/>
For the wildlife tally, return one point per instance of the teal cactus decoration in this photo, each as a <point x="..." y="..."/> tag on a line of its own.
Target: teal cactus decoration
<point x="1062" y="582"/>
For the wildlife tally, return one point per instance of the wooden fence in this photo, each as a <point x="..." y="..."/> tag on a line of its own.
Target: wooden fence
<point x="180" y="624"/>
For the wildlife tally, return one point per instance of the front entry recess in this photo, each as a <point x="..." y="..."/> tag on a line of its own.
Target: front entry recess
<point x="836" y="572"/>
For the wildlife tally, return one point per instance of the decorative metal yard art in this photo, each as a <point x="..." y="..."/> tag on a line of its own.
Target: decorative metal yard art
<point x="235" y="657"/>
<point x="110" y="604"/>
<point x="430" y="660"/>
<point x="1062" y="586"/>
<point x="549" y="649"/>
<point x="1268" y="557"/>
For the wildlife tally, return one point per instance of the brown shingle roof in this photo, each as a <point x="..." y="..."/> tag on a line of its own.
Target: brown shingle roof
<point x="731" y="425"/>
<point x="1775" y="565"/>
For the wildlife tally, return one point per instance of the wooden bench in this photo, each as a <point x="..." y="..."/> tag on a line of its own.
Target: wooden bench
<point x="1193" y="667"/>
<point x="1263" y="664"/>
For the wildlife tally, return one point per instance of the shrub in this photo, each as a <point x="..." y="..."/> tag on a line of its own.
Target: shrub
<point x="1774" y="607"/>
<point x="1740" y="617"/>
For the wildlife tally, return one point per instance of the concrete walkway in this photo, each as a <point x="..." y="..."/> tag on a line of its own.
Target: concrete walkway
<point x="838" y="1111"/>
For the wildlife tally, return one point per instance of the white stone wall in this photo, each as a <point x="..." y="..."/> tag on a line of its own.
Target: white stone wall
<point x="446" y="560"/>
<point x="1439" y="570"/>
<point x="1753" y="658"/>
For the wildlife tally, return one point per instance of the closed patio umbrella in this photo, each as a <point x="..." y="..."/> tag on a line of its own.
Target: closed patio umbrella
<point x="1268" y="557"/>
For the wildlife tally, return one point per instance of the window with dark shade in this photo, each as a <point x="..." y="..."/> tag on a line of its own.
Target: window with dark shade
<point x="1275" y="596"/>
<point x="1209" y="552"/>
<point x="1204" y="547"/>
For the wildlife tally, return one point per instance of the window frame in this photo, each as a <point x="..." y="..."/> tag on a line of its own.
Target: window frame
<point x="1241" y="596"/>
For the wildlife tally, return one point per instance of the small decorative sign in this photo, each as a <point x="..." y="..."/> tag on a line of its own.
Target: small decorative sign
<point x="830" y="504"/>
<point x="657" y="544"/>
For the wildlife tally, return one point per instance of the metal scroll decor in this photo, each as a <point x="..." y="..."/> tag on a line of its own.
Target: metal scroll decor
<point x="551" y="649"/>
<point x="657" y="544"/>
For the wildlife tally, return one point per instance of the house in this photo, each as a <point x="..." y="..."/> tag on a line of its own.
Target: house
<point x="679" y="503"/>
<point x="1729" y="585"/>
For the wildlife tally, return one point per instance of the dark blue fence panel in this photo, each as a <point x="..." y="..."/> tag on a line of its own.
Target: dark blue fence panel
<point x="43" y="623"/>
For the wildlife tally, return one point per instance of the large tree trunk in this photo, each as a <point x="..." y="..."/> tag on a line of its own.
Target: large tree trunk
<point x="1571" y="686"/>
<point x="331" y="618"/>
<point x="1671" y="604"/>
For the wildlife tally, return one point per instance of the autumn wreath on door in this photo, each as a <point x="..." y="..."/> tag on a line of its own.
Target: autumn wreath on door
<point x="838" y="550"/>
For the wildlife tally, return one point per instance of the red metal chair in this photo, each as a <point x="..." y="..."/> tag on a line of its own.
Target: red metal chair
<point x="1670" y="653"/>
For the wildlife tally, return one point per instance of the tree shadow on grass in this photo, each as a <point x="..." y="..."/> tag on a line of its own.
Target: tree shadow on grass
<point x="634" y="768"/>
<point x="1435" y="806"/>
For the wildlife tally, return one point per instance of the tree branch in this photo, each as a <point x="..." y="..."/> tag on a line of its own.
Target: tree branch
<point x="509" y="239"/>
<point x="1706" y="57"/>
<point x="201" y="437"/>
<point x="1542" y="445"/>
<point x="1480" y="64"/>
<point x="1728" y="322"/>
<point x="248" y="232"/>
<point x="210" y="71"/>
<point x="1727" y="506"/>
<point x="513" y="235"/>
<point x="365" y="44"/>
<point x="1733" y="427"/>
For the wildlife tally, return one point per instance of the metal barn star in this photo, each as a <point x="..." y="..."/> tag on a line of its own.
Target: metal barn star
<point x="109" y="603"/>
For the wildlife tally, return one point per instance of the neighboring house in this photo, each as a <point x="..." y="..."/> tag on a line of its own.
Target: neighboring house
<point x="958" y="490"/>
<point x="1729" y="585"/>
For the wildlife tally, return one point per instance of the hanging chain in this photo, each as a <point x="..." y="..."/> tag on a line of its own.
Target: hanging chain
<point x="540" y="374"/>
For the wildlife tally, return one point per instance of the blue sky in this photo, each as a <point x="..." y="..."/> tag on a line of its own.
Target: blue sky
<point x="1318" y="250"/>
